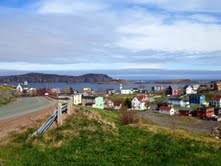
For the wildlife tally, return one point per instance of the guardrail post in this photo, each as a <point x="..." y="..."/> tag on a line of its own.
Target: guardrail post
<point x="59" y="113"/>
<point x="69" y="105"/>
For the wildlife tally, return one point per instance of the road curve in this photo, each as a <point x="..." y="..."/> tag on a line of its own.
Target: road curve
<point x="24" y="106"/>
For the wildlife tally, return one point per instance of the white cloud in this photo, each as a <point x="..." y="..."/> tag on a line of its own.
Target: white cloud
<point x="179" y="36"/>
<point x="69" y="6"/>
<point x="87" y="34"/>
<point x="204" y="18"/>
<point x="184" y="5"/>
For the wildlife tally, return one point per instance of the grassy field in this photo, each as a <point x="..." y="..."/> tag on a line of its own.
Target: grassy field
<point x="5" y="97"/>
<point x="95" y="137"/>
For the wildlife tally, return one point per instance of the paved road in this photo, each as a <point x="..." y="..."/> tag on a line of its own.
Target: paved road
<point x="24" y="106"/>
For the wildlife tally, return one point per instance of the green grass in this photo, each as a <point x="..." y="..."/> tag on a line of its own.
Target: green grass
<point x="5" y="96"/>
<point x="90" y="137"/>
<point x="208" y="97"/>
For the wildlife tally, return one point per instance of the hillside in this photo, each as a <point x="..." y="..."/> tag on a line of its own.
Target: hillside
<point x="53" y="78"/>
<point x="95" y="137"/>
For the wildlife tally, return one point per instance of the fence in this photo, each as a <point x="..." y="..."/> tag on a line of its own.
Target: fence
<point x="64" y="106"/>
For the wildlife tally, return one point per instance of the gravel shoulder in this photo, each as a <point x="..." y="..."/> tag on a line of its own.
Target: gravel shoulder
<point x="191" y="124"/>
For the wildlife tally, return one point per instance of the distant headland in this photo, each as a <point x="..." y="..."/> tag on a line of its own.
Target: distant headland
<point x="54" y="78"/>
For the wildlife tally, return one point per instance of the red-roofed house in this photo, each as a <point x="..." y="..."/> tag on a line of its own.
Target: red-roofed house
<point x="139" y="103"/>
<point x="117" y="105"/>
<point x="216" y="101"/>
<point x="167" y="110"/>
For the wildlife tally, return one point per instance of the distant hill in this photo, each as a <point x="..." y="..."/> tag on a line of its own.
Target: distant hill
<point x="53" y="78"/>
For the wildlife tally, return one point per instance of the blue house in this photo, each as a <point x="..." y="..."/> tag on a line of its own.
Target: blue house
<point x="197" y="99"/>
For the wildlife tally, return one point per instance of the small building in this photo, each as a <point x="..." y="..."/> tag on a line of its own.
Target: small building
<point x="217" y="111"/>
<point x="190" y="90"/>
<point x="108" y="104"/>
<point x="215" y="102"/>
<point x="197" y="99"/>
<point x="167" y="110"/>
<point x="135" y="90"/>
<point x="173" y="90"/>
<point x="110" y="91"/>
<point x="206" y="87"/>
<point x="143" y="91"/>
<point x="174" y="101"/>
<point x="158" y="88"/>
<point x="77" y="99"/>
<point x="88" y="90"/>
<point x="117" y="105"/>
<point x="139" y="103"/>
<point x="99" y="103"/>
<point x="217" y="85"/>
<point x="161" y="104"/>
<point x="22" y="87"/>
<point x="178" y="102"/>
<point x="205" y="113"/>
<point x="88" y="100"/>
<point x="184" y="103"/>
<point x="93" y="101"/>
<point x="185" y="112"/>
<point x="126" y="91"/>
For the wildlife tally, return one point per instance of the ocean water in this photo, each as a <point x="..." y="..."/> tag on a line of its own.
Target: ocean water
<point x="94" y="86"/>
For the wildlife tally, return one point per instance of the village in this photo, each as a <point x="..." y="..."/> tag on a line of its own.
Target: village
<point x="199" y="101"/>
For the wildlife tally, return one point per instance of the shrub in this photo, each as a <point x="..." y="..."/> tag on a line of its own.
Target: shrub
<point x="127" y="117"/>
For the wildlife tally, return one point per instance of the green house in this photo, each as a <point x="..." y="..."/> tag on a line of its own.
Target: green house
<point x="99" y="103"/>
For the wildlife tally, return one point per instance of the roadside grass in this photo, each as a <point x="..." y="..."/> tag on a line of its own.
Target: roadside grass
<point x="95" y="137"/>
<point x="159" y="99"/>
<point x="5" y="97"/>
<point x="7" y="101"/>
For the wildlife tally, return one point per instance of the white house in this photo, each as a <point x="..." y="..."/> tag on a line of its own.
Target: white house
<point x="191" y="90"/>
<point x="184" y="103"/>
<point x="167" y="110"/>
<point x="77" y="99"/>
<point x="174" y="101"/>
<point x="178" y="102"/>
<point x="22" y="87"/>
<point x="139" y="103"/>
<point x="216" y="102"/>
<point x="126" y="91"/>
<point x="117" y="105"/>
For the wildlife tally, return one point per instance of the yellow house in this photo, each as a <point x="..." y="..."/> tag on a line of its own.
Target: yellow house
<point x="87" y="90"/>
<point x="218" y="85"/>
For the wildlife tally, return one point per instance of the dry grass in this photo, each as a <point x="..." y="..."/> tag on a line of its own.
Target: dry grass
<point x="128" y="117"/>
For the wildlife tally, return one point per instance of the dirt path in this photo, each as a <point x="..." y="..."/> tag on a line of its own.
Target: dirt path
<point x="16" y="125"/>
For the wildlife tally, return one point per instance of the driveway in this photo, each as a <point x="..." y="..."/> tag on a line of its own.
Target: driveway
<point x="24" y="106"/>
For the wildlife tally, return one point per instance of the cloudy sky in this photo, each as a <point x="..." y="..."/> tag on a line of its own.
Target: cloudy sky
<point x="110" y="34"/>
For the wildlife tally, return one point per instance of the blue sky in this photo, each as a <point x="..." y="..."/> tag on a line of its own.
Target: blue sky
<point x="111" y="34"/>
